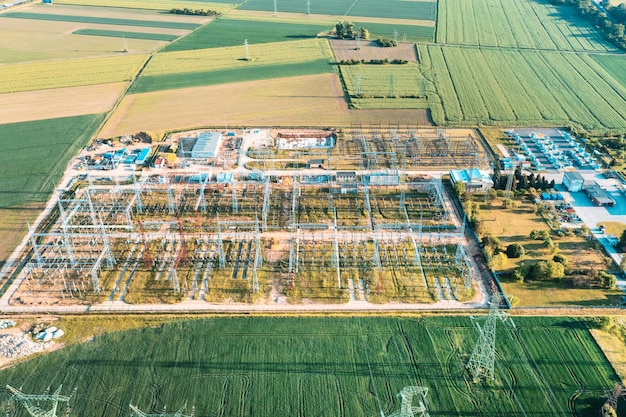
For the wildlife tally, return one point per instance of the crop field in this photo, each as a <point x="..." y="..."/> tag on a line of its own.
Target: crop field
<point x="260" y="366"/>
<point x="101" y="20"/>
<point x="227" y="76"/>
<point x="523" y="88"/>
<point x="68" y="73"/>
<point x="528" y="24"/>
<point x="221" y="6"/>
<point x="206" y="60"/>
<point x="613" y="65"/>
<point x="379" y="86"/>
<point x="31" y="163"/>
<point x="52" y="104"/>
<point x="123" y="34"/>
<point x="219" y="33"/>
<point x="419" y="10"/>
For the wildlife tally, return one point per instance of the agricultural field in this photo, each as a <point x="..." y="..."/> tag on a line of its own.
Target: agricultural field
<point x="100" y="20"/>
<point x="32" y="163"/>
<point x="259" y="366"/>
<point x="69" y="73"/>
<point x="232" y="58"/>
<point x="613" y="65"/>
<point x="221" y="6"/>
<point x="275" y="102"/>
<point x="219" y="33"/>
<point x="53" y="103"/>
<point x="379" y="86"/>
<point x="418" y="10"/>
<point x="527" y="24"/>
<point x="520" y="88"/>
<point x="130" y="35"/>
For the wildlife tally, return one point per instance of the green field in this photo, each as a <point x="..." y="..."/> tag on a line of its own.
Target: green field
<point x="219" y="5"/>
<point x="412" y="33"/>
<point x="324" y="367"/>
<point x="100" y="20"/>
<point x="528" y="24"/>
<point x="69" y="73"/>
<point x="129" y="35"/>
<point x="225" y="76"/>
<point x="230" y="32"/>
<point x="613" y="65"/>
<point x="384" y="86"/>
<point x="35" y="155"/>
<point x="398" y="9"/>
<point x="493" y="86"/>
<point x="305" y="50"/>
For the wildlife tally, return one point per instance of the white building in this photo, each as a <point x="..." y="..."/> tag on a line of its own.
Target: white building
<point x="305" y="140"/>
<point x="573" y="181"/>
<point x="207" y="145"/>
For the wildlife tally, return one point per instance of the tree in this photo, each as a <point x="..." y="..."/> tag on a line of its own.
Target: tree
<point x="622" y="240"/>
<point x="560" y="258"/>
<point x="543" y="270"/>
<point x="514" y="250"/>
<point x="609" y="281"/>
<point x="365" y="34"/>
<point x="459" y="188"/>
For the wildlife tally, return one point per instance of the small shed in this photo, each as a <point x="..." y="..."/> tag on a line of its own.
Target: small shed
<point x="346" y="176"/>
<point x="316" y="164"/>
<point x="573" y="181"/>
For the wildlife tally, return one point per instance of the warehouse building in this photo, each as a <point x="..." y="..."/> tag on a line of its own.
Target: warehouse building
<point x="474" y="180"/>
<point x="207" y="145"/>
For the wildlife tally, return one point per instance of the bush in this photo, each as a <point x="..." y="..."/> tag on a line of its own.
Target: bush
<point x="543" y="270"/>
<point x="562" y="259"/>
<point x="386" y="43"/>
<point x="539" y="234"/>
<point x="515" y="250"/>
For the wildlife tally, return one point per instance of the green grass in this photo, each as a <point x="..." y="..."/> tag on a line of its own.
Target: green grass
<point x="509" y="87"/>
<point x="231" y="32"/>
<point x="129" y="35"/>
<point x="261" y="366"/>
<point x="398" y="9"/>
<point x="101" y="20"/>
<point x="224" y="76"/>
<point x="528" y="24"/>
<point x="35" y="154"/>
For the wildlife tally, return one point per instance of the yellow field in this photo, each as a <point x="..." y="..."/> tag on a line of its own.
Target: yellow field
<point x="50" y="104"/>
<point x="315" y="100"/>
<point x="25" y="40"/>
<point x="13" y="226"/>
<point x="70" y="73"/>
<point x="330" y="20"/>
<point x="151" y="4"/>
<point x="230" y="57"/>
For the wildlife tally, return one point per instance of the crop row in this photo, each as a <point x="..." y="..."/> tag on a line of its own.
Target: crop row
<point x="259" y="366"/>
<point x="68" y="73"/>
<point x="126" y="34"/>
<point x="524" y="24"/>
<point x="217" y="5"/>
<point x="529" y="87"/>
<point x="233" y="57"/>
<point x="382" y="80"/>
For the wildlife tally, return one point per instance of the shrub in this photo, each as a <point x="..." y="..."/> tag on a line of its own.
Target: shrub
<point x="514" y="250"/>
<point x="560" y="258"/>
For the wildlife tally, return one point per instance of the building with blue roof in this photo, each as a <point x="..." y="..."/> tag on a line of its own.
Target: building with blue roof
<point x="474" y="179"/>
<point x="143" y="156"/>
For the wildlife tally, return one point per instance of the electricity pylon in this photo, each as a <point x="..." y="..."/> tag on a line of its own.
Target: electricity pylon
<point x="482" y="362"/>
<point x="33" y="409"/>
<point x="609" y="409"/>
<point x="407" y="409"/>
<point x="136" y="412"/>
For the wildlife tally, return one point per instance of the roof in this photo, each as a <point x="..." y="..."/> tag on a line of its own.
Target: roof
<point x="143" y="155"/>
<point x="317" y="161"/>
<point x="573" y="176"/>
<point x="207" y="144"/>
<point x="599" y="195"/>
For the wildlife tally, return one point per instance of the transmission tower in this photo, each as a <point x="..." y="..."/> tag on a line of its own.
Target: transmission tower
<point x="136" y="412"/>
<point x="34" y="409"/>
<point x="357" y="84"/>
<point x="395" y="36"/>
<point x="308" y="6"/>
<point x="482" y="361"/>
<point x="275" y="8"/>
<point x="407" y="409"/>
<point x="609" y="408"/>
<point x="246" y="56"/>
<point x="147" y="259"/>
<point x="358" y="41"/>
<point x="390" y="93"/>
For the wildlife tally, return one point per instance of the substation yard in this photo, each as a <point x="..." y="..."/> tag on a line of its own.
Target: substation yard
<point x="177" y="236"/>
